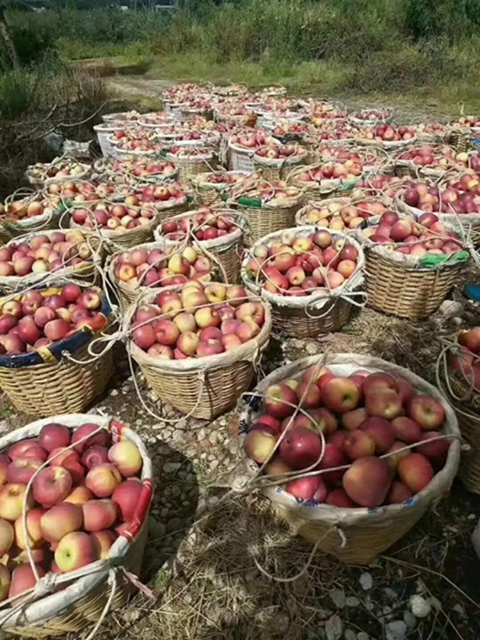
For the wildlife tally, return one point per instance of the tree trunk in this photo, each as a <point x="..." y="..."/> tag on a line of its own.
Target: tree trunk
<point x="5" y="34"/>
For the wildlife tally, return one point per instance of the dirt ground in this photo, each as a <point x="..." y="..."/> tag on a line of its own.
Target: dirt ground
<point x="204" y="538"/>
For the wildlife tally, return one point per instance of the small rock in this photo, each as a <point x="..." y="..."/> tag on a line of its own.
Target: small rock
<point x="450" y="308"/>
<point x="420" y="607"/>
<point x="350" y="635"/>
<point x="201" y="435"/>
<point x="363" y="636"/>
<point x="177" y="435"/>
<point x="334" y="628"/>
<point x="409" y="620"/>
<point x="174" y="524"/>
<point x="214" y="464"/>
<point x="311" y="348"/>
<point x="366" y="581"/>
<point x="338" y="597"/>
<point x="114" y="392"/>
<point x="471" y="516"/>
<point x="182" y="424"/>
<point x="396" y="630"/>
<point x="459" y="609"/>
<point x="390" y="593"/>
<point x="369" y="606"/>
<point x="352" y="601"/>
<point x="386" y="610"/>
<point x="213" y="437"/>
<point x="171" y="467"/>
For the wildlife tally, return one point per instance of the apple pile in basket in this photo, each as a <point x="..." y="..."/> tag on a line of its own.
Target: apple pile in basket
<point x="197" y="321"/>
<point x="77" y="505"/>
<point x="207" y="224"/>
<point x="38" y="319"/>
<point x="342" y="213"/>
<point x="29" y="206"/>
<point x="300" y="266"/>
<point x="361" y="418"/>
<point x="405" y="235"/>
<point x="460" y="195"/>
<point x="152" y="268"/>
<point x="386" y="133"/>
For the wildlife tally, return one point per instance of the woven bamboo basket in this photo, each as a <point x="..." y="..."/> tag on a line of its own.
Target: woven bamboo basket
<point x="458" y="137"/>
<point x="210" y="193"/>
<point x="86" y="273"/>
<point x="227" y="249"/>
<point x="84" y="595"/>
<point x="413" y="293"/>
<point x="190" y="167"/>
<point x="316" y="314"/>
<point x="47" y="381"/>
<point x="466" y="401"/>
<point x="46" y="221"/>
<point x="274" y="169"/>
<point x="317" y="189"/>
<point x="202" y="387"/>
<point x="359" y="535"/>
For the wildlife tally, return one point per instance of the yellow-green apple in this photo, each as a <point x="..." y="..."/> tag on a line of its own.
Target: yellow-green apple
<point x="4" y="582"/>
<point x="185" y="322"/>
<point x="12" y="497"/>
<point x="280" y="401"/>
<point x="216" y="292"/>
<point x="70" y="460"/>
<point x="34" y="532"/>
<point x="251" y="311"/>
<point x="236" y="294"/>
<point x="354" y="419"/>
<point x="309" y="488"/>
<point x="23" y="579"/>
<point x="358" y="444"/>
<point x="259" y="445"/>
<point x="75" y="550"/>
<point x="300" y="448"/>
<point x="398" y="493"/>
<point x="381" y="431"/>
<point x="103" y="540"/>
<point x="53" y="436"/>
<point x="93" y="456"/>
<point x="179" y="265"/>
<point x="277" y="468"/>
<point x="100" y="438"/>
<point x="103" y="479"/>
<point x="340" y="395"/>
<point x="126" y="456"/>
<point x="427" y="412"/>
<point x="188" y="343"/>
<point x="79" y="496"/>
<point x="367" y="481"/>
<point x="21" y="470"/>
<point x="6" y="536"/>
<point x="59" y="520"/>
<point x="99" y="514"/>
<point x="415" y="471"/>
<point x="207" y="317"/>
<point x="126" y="496"/>
<point x="383" y="403"/>
<point x="406" y="430"/>
<point x="51" y="486"/>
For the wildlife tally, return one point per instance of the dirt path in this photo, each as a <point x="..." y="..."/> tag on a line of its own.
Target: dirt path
<point x="137" y="87"/>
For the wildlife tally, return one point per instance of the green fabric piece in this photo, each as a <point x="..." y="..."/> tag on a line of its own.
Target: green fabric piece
<point x="250" y="202"/>
<point x="433" y="259"/>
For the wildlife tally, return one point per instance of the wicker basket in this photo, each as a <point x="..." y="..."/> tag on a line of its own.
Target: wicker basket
<point x="274" y="169"/>
<point x="83" y="598"/>
<point x="310" y="316"/>
<point x="210" y="193"/>
<point x="46" y="221"/>
<point x="458" y="137"/>
<point x="356" y="536"/>
<point x="466" y="402"/>
<point x="86" y="273"/>
<point x="202" y="387"/>
<point x="226" y="249"/>
<point x="189" y="167"/>
<point x="47" y="381"/>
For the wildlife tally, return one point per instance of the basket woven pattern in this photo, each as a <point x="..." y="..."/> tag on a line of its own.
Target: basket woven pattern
<point x="87" y="611"/>
<point x="262" y="221"/>
<point x="408" y="293"/>
<point x="469" y="470"/>
<point x="60" y="387"/>
<point x="230" y="259"/>
<point x="297" y="324"/>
